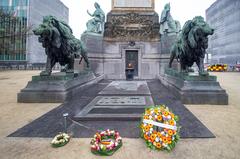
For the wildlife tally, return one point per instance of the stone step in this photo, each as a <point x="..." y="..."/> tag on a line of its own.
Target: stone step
<point x="109" y="117"/>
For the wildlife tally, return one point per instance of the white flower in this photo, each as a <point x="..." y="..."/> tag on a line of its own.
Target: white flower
<point x="157" y="139"/>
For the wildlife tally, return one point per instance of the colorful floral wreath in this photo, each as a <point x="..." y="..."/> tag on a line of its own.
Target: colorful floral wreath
<point x="106" y="143"/>
<point x="159" y="127"/>
<point x="60" y="140"/>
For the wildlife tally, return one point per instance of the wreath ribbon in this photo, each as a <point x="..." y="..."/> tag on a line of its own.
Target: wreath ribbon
<point x="159" y="124"/>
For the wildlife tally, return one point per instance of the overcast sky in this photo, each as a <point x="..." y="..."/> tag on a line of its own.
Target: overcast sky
<point x="181" y="10"/>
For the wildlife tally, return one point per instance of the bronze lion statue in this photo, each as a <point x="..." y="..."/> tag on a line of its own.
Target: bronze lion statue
<point x="60" y="44"/>
<point x="191" y="45"/>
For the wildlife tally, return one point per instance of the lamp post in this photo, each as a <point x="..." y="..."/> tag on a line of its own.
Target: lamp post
<point x="65" y="115"/>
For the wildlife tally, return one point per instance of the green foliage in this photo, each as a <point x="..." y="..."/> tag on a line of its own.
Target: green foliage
<point x="107" y="153"/>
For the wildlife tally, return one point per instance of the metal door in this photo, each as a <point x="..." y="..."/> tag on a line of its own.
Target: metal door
<point x="132" y="58"/>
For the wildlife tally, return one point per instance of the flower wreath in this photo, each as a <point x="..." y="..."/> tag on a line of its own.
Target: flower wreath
<point x="105" y="143"/>
<point x="60" y="140"/>
<point x="159" y="127"/>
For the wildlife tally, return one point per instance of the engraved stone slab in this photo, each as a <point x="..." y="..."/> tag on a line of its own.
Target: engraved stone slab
<point x="132" y="3"/>
<point x="126" y="88"/>
<point x="120" y="100"/>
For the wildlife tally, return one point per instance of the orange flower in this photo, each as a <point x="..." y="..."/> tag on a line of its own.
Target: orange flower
<point x="169" y="142"/>
<point x="159" y="118"/>
<point x="146" y="129"/>
<point x="155" y="132"/>
<point x="146" y="137"/>
<point x="164" y="139"/>
<point x="170" y="132"/>
<point x="153" y="137"/>
<point x="158" y="145"/>
<point x="169" y="139"/>
<point x="171" y="122"/>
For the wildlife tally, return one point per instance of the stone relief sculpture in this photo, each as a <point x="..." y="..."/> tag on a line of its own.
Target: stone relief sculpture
<point x="192" y="44"/>
<point x="167" y="24"/>
<point x="132" y="26"/>
<point x="60" y="44"/>
<point x="96" y="24"/>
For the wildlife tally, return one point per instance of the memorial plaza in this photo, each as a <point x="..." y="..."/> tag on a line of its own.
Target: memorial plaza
<point x="221" y="120"/>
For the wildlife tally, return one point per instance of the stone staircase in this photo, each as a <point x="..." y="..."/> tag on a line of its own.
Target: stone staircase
<point x="119" y="101"/>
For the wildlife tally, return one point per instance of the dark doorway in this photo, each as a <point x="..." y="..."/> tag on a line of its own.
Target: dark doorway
<point x="132" y="59"/>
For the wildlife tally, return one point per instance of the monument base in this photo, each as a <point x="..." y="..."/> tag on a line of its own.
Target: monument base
<point x="194" y="89"/>
<point x="167" y="42"/>
<point x="56" y="88"/>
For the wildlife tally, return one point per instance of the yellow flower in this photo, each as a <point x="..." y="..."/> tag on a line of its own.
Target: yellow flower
<point x="171" y="122"/>
<point x="153" y="137"/>
<point x="148" y="112"/>
<point x="150" y="125"/>
<point x="146" y="129"/>
<point x="158" y="145"/>
<point x="165" y="113"/>
<point x="146" y="117"/>
<point x="156" y="111"/>
<point x="159" y="118"/>
<point x="159" y="134"/>
<point x="170" y="132"/>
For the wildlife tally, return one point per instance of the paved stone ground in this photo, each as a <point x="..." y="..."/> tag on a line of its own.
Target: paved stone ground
<point x="223" y="121"/>
<point x="51" y="123"/>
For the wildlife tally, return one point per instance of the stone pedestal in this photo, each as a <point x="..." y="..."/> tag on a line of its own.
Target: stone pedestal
<point x="194" y="89"/>
<point x="55" y="88"/>
<point x="167" y="42"/>
<point x="93" y="42"/>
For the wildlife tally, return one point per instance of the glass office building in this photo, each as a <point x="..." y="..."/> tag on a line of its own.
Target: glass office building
<point x="13" y="24"/>
<point x="18" y="18"/>
<point x="224" y="44"/>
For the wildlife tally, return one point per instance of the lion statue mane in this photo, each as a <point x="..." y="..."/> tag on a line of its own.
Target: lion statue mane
<point x="60" y="44"/>
<point x="191" y="44"/>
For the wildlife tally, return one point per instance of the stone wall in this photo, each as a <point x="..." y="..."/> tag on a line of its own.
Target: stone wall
<point x="224" y="17"/>
<point x="109" y="57"/>
<point x="38" y="9"/>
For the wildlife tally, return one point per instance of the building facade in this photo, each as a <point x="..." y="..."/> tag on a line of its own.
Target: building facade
<point x="29" y="14"/>
<point x="224" y="45"/>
